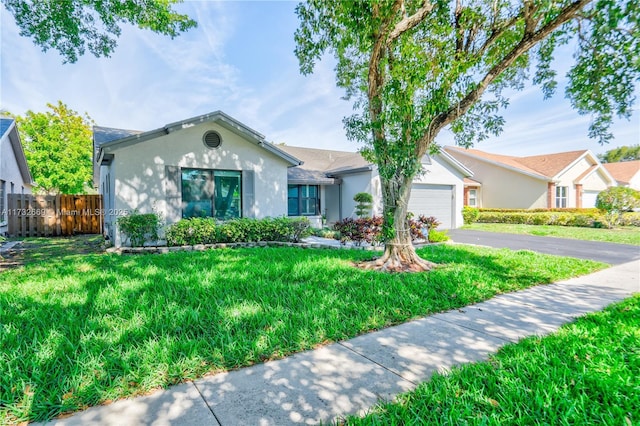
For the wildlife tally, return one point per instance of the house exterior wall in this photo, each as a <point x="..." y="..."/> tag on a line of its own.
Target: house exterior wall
<point x="332" y="203"/>
<point x="438" y="172"/>
<point x="635" y="181"/>
<point x="140" y="179"/>
<point x="568" y="179"/>
<point x="359" y="182"/>
<point x="505" y="189"/>
<point x="441" y="172"/>
<point x="10" y="174"/>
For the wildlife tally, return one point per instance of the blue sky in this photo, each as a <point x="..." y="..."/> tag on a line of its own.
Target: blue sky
<point x="240" y="60"/>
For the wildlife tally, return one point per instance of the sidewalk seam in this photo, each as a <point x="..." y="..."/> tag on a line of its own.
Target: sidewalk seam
<point x="378" y="364"/>
<point x="207" y="403"/>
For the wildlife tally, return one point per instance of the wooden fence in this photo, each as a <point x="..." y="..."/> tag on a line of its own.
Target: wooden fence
<point x="52" y="215"/>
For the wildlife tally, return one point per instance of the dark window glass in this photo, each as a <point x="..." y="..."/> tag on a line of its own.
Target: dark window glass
<point x="303" y="200"/>
<point x="211" y="193"/>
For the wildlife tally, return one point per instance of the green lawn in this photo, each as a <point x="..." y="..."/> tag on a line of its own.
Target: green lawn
<point x="80" y="330"/>
<point x="587" y="373"/>
<point x="626" y="235"/>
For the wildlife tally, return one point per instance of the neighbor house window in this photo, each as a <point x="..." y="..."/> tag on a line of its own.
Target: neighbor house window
<point x="3" y="204"/>
<point x="561" y="197"/>
<point x="211" y="193"/>
<point x="304" y="200"/>
<point x="473" y="197"/>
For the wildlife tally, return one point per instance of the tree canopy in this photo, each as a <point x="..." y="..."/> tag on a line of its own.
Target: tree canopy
<point x="622" y="153"/>
<point x="414" y="67"/>
<point x="59" y="151"/>
<point x="73" y="26"/>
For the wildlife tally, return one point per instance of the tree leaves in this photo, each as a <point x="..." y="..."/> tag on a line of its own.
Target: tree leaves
<point x="58" y="148"/>
<point x="73" y="26"/>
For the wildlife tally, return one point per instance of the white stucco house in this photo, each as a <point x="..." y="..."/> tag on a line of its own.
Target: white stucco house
<point x="626" y="173"/>
<point x="209" y="165"/>
<point x="213" y="165"/>
<point x="338" y="175"/>
<point x="559" y="180"/>
<point x="15" y="177"/>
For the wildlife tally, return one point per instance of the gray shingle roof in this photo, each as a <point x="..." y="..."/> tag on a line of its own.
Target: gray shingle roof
<point x="320" y="164"/>
<point x="5" y="123"/>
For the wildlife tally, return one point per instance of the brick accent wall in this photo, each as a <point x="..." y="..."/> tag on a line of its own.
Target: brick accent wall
<point x="578" y="195"/>
<point x="551" y="195"/>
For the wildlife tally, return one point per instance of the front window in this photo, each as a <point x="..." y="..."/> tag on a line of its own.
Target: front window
<point x="303" y="200"/>
<point x="561" y="197"/>
<point x="473" y="197"/>
<point x="211" y="193"/>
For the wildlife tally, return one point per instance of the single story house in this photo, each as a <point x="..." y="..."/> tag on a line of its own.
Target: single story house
<point x="213" y="165"/>
<point x="559" y="180"/>
<point x="15" y="177"/>
<point x="626" y="173"/>
<point x="336" y="176"/>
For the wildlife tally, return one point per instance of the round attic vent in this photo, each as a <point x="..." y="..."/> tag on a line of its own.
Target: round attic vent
<point x="212" y="139"/>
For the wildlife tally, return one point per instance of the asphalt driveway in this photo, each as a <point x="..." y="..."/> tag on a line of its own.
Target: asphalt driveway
<point x="611" y="253"/>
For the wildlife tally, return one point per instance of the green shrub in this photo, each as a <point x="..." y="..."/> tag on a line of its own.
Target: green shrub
<point x="614" y="201"/>
<point x="192" y="231"/>
<point x="139" y="228"/>
<point x="630" y="219"/>
<point x="364" y="200"/>
<point x="470" y="214"/>
<point x="548" y="217"/>
<point x="208" y="231"/>
<point x="436" y="236"/>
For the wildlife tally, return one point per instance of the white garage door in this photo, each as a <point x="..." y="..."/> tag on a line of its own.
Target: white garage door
<point x="589" y="199"/>
<point x="433" y="200"/>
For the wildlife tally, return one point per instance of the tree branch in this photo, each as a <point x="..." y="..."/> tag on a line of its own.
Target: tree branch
<point x="409" y="22"/>
<point x="528" y="41"/>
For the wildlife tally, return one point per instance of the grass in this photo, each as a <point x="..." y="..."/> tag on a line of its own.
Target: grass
<point x="625" y="235"/>
<point x="81" y="330"/>
<point x="33" y="250"/>
<point x="587" y="373"/>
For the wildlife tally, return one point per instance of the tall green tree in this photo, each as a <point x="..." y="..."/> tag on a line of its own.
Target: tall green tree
<point x="59" y="151"/>
<point x="414" y="67"/>
<point x="73" y="26"/>
<point x="622" y="153"/>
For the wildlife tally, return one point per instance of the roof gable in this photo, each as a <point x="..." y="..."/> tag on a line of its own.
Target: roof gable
<point x="505" y="161"/>
<point x="111" y="139"/>
<point x="546" y="166"/>
<point x="551" y="165"/>
<point x="623" y="171"/>
<point x="9" y="128"/>
<point x="320" y="164"/>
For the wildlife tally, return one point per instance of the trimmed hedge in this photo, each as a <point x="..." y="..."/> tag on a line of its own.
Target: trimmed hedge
<point x="209" y="231"/>
<point x="587" y="218"/>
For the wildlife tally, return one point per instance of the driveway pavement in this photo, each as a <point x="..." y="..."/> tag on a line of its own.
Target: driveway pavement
<point x="614" y="254"/>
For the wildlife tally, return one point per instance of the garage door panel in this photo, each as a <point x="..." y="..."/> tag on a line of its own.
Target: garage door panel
<point x="433" y="200"/>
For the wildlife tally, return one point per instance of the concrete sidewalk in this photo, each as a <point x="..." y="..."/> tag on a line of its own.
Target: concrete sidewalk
<point x="351" y="376"/>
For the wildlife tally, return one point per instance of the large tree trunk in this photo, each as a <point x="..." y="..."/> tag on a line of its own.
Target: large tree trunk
<point x="399" y="253"/>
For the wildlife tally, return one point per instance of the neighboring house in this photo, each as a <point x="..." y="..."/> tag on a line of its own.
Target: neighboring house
<point x="15" y="177"/>
<point x="560" y="180"/>
<point x="336" y="176"/>
<point x="212" y="165"/>
<point x="626" y="173"/>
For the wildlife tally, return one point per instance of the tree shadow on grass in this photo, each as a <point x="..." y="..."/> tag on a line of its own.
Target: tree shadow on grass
<point x="86" y="330"/>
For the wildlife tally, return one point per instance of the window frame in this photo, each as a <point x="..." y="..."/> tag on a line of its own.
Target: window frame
<point x="473" y="191"/>
<point x="212" y="212"/>
<point x="562" y="196"/>
<point x="299" y="200"/>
